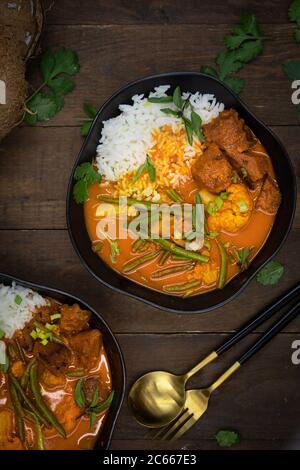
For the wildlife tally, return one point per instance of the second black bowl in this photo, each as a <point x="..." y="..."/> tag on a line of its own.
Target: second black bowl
<point x="188" y="81"/>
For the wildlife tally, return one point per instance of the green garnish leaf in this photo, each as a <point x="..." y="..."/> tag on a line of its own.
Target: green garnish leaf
<point x="242" y="256"/>
<point x="91" y="113"/>
<point x="270" y="274"/>
<point x="224" y="195"/>
<point x="227" y="438"/>
<point x="97" y="247"/>
<point x="294" y="15"/>
<point x="177" y="98"/>
<point x="105" y="404"/>
<point x="55" y="316"/>
<point x="49" y="326"/>
<point x="147" y="166"/>
<point x="243" y="45"/>
<point x="196" y="122"/>
<point x="188" y="130"/>
<point x="170" y="111"/>
<point x="213" y="234"/>
<point x="79" y="394"/>
<point x="85" y="175"/>
<point x="93" y="419"/>
<point x="18" y="299"/>
<point x="43" y="105"/>
<point x="162" y="99"/>
<point x="95" y="397"/>
<point x="292" y="69"/>
<point x="2" y="333"/>
<point x="209" y="71"/>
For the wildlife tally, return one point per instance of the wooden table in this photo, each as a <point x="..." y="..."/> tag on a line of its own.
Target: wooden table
<point x="118" y="41"/>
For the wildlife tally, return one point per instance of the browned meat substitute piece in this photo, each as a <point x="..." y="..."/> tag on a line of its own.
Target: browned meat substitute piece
<point x="269" y="198"/>
<point x="212" y="170"/>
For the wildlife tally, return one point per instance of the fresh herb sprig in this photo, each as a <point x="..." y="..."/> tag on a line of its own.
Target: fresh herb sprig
<point x="270" y="274"/>
<point x="90" y="112"/>
<point x="242" y="256"/>
<point x="93" y="408"/>
<point x="227" y="438"/>
<point x="147" y="166"/>
<point x="47" y="100"/>
<point x="193" y="124"/>
<point x="294" y="15"/>
<point x="243" y="45"/>
<point x="85" y="175"/>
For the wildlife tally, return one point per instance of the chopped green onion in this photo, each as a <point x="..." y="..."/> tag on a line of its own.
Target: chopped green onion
<point x="2" y="333"/>
<point x="244" y="172"/>
<point x="33" y="334"/>
<point x="243" y="206"/>
<point x="97" y="247"/>
<point x="211" y="208"/>
<point x="213" y="234"/>
<point x="55" y="316"/>
<point x="18" y="299"/>
<point x="49" y="326"/>
<point x="218" y="202"/>
<point x="207" y="244"/>
<point x="44" y="342"/>
<point x="224" y="195"/>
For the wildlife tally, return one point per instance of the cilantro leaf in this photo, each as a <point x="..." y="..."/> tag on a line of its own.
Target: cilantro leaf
<point x="235" y="83"/>
<point x="90" y="110"/>
<point x="209" y="71"/>
<point x="243" y="45"/>
<point x="43" y="106"/>
<point x="85" y="175"/>
<point x="242" y="256"/>
<point x="85" y="128"/>
<point x="270" y="274"/>
<point x="292" y="69"/>
<point x="227" y="438"/>
<point x="61" y="85"/>
<point x="294" y="11"/>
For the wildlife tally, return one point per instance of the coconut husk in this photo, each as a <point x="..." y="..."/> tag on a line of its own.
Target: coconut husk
<point x="21" y="24"/>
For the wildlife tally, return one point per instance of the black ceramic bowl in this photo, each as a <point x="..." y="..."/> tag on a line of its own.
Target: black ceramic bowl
<point x="111" y="346"/>
<point x="188" y="81"/>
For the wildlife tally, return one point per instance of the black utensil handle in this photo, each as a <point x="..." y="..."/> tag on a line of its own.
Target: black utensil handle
<point x="259" y="319"/>
<point x="270" y="333"/>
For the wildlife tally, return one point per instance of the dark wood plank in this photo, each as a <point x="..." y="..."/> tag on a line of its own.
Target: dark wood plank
<point x="163" y="11"/>
<point x="111" y="56"/>
<point x="33" y="185"/>
<point x="47" y="257"/>
<point x="260" y="400"/>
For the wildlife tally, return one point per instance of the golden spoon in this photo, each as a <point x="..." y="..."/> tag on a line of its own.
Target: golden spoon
<point x="158" y="397"/>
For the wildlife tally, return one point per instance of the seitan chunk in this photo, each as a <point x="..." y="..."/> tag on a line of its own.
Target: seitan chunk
<point x="212" y="170"/>
<point x="269" y="198"/>
<point x="73" y="319"/>
<point x="86" y="347"/>
<point x="228" y="132"/>
<point x="252" y="166"/>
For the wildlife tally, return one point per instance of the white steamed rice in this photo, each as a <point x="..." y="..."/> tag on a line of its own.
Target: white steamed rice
<point x="13" y="316"/>
<point x="126" y="138"/>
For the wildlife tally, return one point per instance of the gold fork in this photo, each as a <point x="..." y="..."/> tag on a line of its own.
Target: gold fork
<point x="196" y="401"/>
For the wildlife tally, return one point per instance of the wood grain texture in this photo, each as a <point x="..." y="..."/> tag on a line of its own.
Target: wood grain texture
<point x="37" y="198"/>
<point x="111" y="56"/>
<point x="163" y="11"/>
<point x="119" y="41"/>
<point x="47" y="257"/>
<point x="260" y="395"/>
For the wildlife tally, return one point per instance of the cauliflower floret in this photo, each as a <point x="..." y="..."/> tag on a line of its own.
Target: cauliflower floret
<point x="235" y="211"/>
<point x="207" y="273"/>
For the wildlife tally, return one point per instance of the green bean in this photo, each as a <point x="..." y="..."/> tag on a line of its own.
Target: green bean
<point x="12" y="352"/>
<point x="27" y="400"/>
<point x="35" y="387"/>
<point x="20" y="351"/>
<point x="177" y="250"/>
<point x="182" y="287"/>
<point x="188" y="293"/>
<point x="223" y="268"/>
<point x="172" y="270"/>
<point x="177" y="258"/>
<point x="138" y="262"/>
<point x="25" y="376"/>
<point x="130" y="201"/>
<point x="174" y="195"/>
<point x="137" y="244"/>
<point x="39" y="434"/>
<point x="163" y="258"/>
<point x="75" y="373"/>
<point x="18" y="411"/>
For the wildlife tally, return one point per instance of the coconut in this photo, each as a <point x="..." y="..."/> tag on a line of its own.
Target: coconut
<point x="21" y="24"/>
